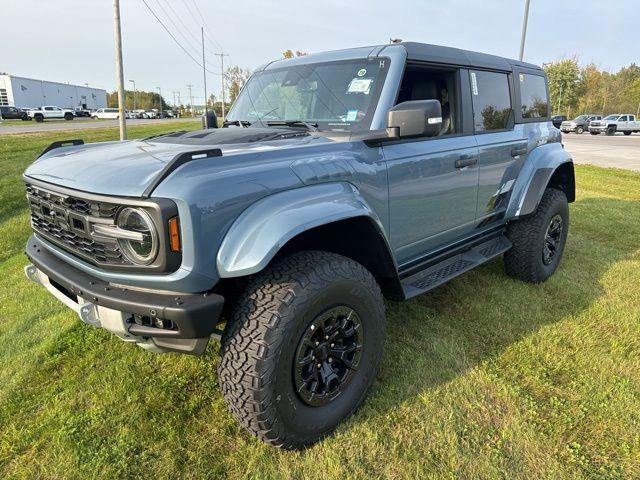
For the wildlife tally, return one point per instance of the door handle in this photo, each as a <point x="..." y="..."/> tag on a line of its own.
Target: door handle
<point x="517" y="151"/>
<point x="466" y="161"/>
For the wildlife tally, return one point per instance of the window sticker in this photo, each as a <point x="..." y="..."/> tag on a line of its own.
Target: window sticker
<point x="362" y="72"/>
<point x="474" y="83"/>
<point x="352" y="115"/>
<point x="360" y="85"/>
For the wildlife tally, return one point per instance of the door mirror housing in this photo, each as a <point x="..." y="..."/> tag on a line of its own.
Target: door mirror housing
<point x="415" y="118"/>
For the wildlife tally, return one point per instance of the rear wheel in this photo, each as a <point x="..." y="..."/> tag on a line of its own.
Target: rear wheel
<point x="39" y="118"/>
<point x="539" y="239"/>
<point x="301" y="347"/>
<point x="68" y="116"/>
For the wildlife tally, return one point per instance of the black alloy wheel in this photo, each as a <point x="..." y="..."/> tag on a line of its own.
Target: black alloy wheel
<point x="328" y="355"/>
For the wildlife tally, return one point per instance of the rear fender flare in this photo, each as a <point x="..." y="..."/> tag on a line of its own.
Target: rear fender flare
<point x="534" y="177"/>
<point x="265" y="227"/>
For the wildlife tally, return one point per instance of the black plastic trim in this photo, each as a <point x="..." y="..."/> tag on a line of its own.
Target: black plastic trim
<point x="62" y="143"/>
<point x="176" y="162"/>
<point x="194" y="314"/>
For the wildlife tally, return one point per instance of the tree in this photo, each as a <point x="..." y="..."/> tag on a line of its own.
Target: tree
<point x="235" y="78"/>
<point x="144" y="100"/>
<point x="290" y="53"/>
<point x="564" y="77"/>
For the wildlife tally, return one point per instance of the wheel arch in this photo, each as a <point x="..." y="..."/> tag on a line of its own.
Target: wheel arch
<point x="331" y="217"/>
<point x="548" y="166"/>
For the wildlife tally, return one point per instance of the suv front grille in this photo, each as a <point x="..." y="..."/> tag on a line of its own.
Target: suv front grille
<point x="65" y="221"/>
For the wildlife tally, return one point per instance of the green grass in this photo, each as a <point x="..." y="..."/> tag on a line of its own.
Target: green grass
<point x="485" y="377"/>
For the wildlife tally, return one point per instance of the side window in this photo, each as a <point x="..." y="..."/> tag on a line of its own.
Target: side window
<point x="533" y="96"/>
<point x="623" y="118"/>
<point x="422" y="83"/>
<point x="491" y="100"/>
<point x="48" y="108"/>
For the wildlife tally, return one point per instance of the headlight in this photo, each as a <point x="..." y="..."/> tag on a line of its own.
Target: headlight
<point x="142" y="247"/>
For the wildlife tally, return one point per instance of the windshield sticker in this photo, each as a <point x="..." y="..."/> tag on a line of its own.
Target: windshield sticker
<point x="474" y="83"/>
<point x="362" y="72"/>
<point x="352" y="115"/>
<point x="360" y="85"/>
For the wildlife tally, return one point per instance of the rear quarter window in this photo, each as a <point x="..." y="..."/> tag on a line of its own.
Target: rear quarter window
<point x="533" y="96"/>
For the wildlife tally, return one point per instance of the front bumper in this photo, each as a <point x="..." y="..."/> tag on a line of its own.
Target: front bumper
<point x="159" y="321"/>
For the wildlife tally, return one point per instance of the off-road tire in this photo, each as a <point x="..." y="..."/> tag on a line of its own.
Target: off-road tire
<point x="68" y="116"/>
<point x="524" y="260"/>
<point x="39" y="118"/>
<point x="263" y="333"/>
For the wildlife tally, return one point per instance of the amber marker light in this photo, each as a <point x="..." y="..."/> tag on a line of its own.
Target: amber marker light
<point x="174" y="234"/>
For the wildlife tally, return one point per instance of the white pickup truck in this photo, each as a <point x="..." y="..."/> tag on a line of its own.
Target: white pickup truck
<point x="50" y="112"/>
<point x="618" y="122"/>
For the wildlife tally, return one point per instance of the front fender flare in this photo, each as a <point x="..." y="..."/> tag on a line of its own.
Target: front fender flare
<point x="265" y="227"/>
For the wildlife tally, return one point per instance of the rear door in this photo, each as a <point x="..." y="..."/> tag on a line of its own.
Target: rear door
<point x="501" y="148"/>
<point x="48" y="112"/>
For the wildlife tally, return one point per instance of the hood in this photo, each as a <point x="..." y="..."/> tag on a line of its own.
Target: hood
<point x="128" y="168"/>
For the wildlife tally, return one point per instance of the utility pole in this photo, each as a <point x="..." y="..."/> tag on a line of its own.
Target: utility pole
<point x="174" y="98"/>
<point x="222" y="55"/>
<point x="119" y="70"/>
<point x="160" y="93"/>
<point x="204" y="77"/>
<point x="134" y="93"/>
<point x="524" y="28"/>
<point x="190" y="99"/>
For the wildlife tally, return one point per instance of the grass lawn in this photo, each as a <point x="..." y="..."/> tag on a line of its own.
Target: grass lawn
<point x="485" y="377"/>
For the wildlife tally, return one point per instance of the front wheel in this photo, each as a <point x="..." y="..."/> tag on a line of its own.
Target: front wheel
<point x="611" y="130"/>
<point x="301" y="347"/>
<point x="539" y="239"/>
<point x="579" y="130"/>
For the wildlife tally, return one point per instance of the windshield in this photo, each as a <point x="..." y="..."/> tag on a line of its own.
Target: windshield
<point x="611" y="117"/>
<point x="336" y="96"/>
<point x="581" y="118"/>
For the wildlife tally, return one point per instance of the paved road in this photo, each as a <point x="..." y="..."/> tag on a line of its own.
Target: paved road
<point x="618" y="151"/>
<point x="78" y="124"/>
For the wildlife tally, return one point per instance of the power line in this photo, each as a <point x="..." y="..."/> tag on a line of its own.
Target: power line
<point x="184" y="26"/>
<point x="175" y="40"/>
<point x="178" y="29"/>
<point x="204" y="23"/>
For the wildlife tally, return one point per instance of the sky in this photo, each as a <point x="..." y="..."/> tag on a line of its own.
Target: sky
<point x="72" y="40"/>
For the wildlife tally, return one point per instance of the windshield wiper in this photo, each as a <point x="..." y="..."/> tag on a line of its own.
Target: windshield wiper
<point x="311" y="126"/>
<point x="239" y="123"/>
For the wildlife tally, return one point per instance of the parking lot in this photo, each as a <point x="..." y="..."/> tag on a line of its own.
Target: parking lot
<point x="617" y="151"/>
<point x="17" y="127"/>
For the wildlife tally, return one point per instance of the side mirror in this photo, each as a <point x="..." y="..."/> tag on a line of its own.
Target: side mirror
<point x="415" y="118"/>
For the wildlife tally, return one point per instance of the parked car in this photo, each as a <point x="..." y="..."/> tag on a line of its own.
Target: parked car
<point x="579" y="124"/>
<point x="49" y="112"/>
<point x="151" y="113"/>
<point x="618" y="122"/>
<point x="106" y="113"/>
<point x="557" y="120"/>
<point x="140" y="113"/>
<point x="13" y="113"/>
<point x="82" y="112"/>
<point x="291" y="230"/>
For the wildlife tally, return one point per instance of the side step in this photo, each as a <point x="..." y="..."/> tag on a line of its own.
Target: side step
<point x="451" y="267"/>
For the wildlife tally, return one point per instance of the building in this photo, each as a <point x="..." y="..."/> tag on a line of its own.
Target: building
<point x="27" y="92"/>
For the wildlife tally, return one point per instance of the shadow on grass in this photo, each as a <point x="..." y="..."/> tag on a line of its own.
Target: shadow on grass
<point x="438" y="336"/>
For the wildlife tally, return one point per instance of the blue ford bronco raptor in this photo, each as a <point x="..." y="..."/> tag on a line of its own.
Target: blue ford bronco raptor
<point x="339" y="179"/>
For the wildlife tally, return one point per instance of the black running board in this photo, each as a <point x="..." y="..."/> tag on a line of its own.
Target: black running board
<point x="450" y="268"/>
